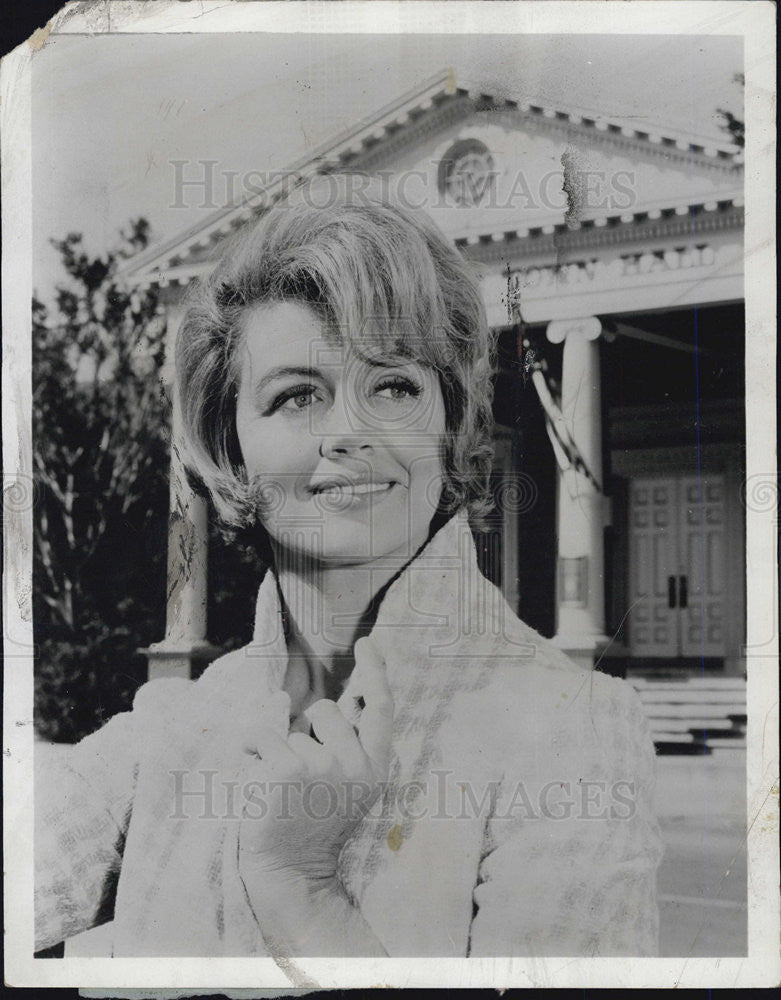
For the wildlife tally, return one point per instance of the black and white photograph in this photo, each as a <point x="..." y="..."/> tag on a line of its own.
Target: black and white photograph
<point x="390" y="496"/>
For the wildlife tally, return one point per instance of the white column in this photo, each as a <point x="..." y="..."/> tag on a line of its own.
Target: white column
<point x="184" y="645"/>
<point x="580" y="611"/>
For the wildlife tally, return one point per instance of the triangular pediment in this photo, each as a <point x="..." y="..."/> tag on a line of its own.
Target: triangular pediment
<point x="489" y="170"/>
<point x="503" y="170"/>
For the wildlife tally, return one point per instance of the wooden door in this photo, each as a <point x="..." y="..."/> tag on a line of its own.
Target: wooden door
<point x="653" y="559"/>
<point x="702" y="541"/>
<point x="677" y="567"/>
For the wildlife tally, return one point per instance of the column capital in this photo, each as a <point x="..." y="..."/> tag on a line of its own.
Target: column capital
<point x="585" y="328"/>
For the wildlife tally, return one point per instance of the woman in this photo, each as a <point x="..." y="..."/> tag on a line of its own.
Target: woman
<point x="396" y="764"/>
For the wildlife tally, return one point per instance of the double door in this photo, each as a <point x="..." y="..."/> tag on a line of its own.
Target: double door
<point x="677" y="567"/>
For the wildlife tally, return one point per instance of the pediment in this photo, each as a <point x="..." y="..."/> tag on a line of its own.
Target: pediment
<point x="501" y="171"/>
<point x="488" y="170"/>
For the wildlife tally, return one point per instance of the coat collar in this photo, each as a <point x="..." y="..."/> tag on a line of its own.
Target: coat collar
<point x="439" y="608"/>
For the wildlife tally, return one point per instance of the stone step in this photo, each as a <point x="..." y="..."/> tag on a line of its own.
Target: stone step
<point x="722" y="743"/>
<point x="708" y="734"/>
<point x="733" y="751"/>
<point x="657" y="710"/>
<point x="694" y="716"/>
<point x="686" y="725"/>
<point x="682" y="748"/>
<point x="687" y="696"/>
<point x="714" y="683"/>
<point x="670" y="736"/>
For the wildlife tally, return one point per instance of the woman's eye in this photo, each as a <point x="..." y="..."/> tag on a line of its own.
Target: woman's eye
<point x="397" y="389"/>
<point x="298" y="397"/>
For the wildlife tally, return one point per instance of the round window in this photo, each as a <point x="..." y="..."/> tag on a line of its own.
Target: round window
<point x="466" y="173"/>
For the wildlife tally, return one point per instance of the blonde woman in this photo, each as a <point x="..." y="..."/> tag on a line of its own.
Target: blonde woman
<point x="396" y="765"/>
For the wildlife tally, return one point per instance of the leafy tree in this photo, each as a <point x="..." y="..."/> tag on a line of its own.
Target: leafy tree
<point x="100" y="450"/>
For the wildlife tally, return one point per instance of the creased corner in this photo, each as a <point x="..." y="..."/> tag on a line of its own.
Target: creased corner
<point x="38" y="38"/>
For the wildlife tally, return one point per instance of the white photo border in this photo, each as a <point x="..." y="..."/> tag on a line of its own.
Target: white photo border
<point x="755" y="22"/>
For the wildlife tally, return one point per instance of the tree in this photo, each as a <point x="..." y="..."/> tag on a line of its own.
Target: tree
<point x="100" y="452"/>
<point x="735" y="126"/>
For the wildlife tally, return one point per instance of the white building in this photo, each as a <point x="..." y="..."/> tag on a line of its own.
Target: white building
<point x="624" y="250"/>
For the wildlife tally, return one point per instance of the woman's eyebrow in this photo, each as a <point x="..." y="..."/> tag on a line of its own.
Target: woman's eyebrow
<point x="285" y="371"/>
<point x="388" y="361"/>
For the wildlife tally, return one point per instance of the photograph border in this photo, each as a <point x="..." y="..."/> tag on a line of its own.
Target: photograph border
<point x="755" y="22"/>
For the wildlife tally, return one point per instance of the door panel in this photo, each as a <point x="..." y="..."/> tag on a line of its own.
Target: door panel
<point x="702" y="528"/>
<point x="677" y="567"/>
<point x="653" y="625"/>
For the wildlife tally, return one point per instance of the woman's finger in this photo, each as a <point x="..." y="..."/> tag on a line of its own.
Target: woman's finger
<point x="315" y="758"/>
<point x="274" y="751"/>
<point x="351" y="701"/>
<point x="338" y="737"/>
<point x="375" y="727"/>
<point x="275" y="718"/>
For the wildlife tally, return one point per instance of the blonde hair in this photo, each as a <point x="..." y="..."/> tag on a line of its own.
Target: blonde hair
<point x="374" y="271"/>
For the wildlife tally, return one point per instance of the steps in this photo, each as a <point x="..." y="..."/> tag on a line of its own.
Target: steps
<point x="694" y="715"/>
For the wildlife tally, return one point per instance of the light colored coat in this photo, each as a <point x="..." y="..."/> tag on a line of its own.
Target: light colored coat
<point x="517" y="819"/>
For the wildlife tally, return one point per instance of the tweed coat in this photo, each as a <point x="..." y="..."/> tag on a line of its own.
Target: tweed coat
<point x="517" y="819"/>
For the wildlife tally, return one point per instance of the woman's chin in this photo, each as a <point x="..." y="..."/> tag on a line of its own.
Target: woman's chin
<point x="338" y="544"/>
<point x="361" y="544"/>
<point x="357" y="534"/>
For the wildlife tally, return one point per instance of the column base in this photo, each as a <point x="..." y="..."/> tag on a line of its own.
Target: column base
<point x="179" y="657"/>
<point x="581" y="649"/>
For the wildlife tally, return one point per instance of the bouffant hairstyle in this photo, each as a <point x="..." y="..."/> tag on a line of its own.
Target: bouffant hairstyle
<point x="376" y="273"/>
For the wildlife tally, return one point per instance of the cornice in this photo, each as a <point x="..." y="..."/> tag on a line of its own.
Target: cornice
<point x="632" y="142"/>
<point x="563" y="247"/>
<point x="615" y="232"/>
<point x="546" y="121"/>
<point x="448" y="113"/>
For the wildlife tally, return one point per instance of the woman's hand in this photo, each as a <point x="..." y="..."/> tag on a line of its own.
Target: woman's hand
<point x="311" y="793"/>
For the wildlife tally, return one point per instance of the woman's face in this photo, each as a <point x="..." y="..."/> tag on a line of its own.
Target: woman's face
<point x="345" y="451"/>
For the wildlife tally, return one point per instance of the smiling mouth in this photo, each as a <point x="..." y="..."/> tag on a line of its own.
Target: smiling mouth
<point x="350" y="491"/>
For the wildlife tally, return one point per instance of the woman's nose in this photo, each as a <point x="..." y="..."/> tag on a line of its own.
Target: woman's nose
<point x="345" y="428"/>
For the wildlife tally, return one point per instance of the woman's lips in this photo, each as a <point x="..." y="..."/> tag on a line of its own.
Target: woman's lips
<point x="357" y="489"/>
<point x="342" y="495"/>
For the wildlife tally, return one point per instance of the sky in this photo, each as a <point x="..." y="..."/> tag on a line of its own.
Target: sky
<point x="112" y="114"/>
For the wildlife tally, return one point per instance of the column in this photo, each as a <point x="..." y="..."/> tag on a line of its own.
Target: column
<point x="580" y="611"/>
<point x="184" y="647"/>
